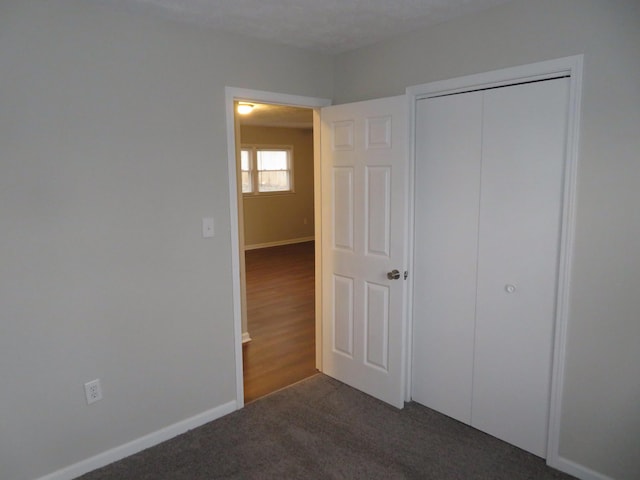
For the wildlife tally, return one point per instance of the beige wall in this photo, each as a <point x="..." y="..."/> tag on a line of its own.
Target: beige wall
<point x="601" y="410"/>
<point x="112" y="149"/>
<point x="272" y="219"/>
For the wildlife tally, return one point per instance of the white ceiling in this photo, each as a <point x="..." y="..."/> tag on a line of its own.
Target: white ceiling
<point x="329" y="26"/>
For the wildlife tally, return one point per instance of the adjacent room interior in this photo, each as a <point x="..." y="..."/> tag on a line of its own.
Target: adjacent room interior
<point x="276" y="165"/>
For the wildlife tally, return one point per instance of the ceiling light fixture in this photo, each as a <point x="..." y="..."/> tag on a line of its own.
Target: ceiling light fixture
<point x="244" y="108"/>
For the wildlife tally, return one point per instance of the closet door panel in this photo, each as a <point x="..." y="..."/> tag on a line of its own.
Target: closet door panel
<point x="448" y="142"/>
<point x="524" y="131"/>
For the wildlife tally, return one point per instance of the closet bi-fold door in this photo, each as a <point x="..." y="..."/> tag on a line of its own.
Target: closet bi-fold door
<point x="447" y="191"/>
<point x="523" y="145"/>
<point x="489" y="176"/>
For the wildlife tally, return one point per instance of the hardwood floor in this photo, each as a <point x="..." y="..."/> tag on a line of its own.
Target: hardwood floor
<point x="281" y="318"/>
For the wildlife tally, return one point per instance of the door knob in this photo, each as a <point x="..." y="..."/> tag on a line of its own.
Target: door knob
<point x="393" y="275"/>
<point x="509" y="288"/>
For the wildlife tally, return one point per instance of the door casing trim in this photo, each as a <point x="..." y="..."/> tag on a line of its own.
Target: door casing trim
<point x="573" y="67"/>
<point x="234" y="94"/>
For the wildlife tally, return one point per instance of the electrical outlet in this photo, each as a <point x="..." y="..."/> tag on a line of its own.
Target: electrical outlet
<point x="93" y="391"/>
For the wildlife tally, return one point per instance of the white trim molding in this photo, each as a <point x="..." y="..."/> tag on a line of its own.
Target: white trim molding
<point x="567" y="66"/>
<point x="578" y="471"/>
<point x="279" y="243"/>
<point x="233" y="94"/>
<point x="142" y="443"/>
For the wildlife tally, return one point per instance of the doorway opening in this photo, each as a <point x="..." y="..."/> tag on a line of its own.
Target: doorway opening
<point x="235" y="96"/>
<point x="275" y="169"/>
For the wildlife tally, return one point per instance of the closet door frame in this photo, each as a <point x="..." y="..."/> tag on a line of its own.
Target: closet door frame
<point x="567" y="66"/>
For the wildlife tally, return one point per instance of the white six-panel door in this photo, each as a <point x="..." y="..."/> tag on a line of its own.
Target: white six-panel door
<point x="489" y="176"/>
<point x="364" y="189"/>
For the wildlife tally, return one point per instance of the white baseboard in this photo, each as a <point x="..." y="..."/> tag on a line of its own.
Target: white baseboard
<point x="142" y="443"/>
<point x="577" y="470"/>
<point x="291" y="241"/>
<point x="164" y="434"/>
<point x="246" y="338"/>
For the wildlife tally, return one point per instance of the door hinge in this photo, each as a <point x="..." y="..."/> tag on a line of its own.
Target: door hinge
<point x="406" y="274"/>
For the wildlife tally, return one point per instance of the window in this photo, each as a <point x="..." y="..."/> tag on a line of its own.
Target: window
<point x="266" y="169"/>
<point x="245" y="167"/>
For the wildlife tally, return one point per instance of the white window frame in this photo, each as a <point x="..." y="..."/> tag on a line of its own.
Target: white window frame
<point x="253" y="150"/>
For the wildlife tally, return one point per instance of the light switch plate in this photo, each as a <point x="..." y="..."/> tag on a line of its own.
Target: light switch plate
<point x="208" y="227"/>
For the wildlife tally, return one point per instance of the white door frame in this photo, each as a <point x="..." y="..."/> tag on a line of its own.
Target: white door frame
<point x="233" y="94"/>
<point x="571" y="66"/>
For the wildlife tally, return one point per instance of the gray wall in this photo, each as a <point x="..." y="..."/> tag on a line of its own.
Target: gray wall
<point x="112" y="148"/>
<point x="601" y="414"/>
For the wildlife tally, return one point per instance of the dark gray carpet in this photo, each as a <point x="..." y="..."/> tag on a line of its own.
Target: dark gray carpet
<point x="323" y="429"/>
